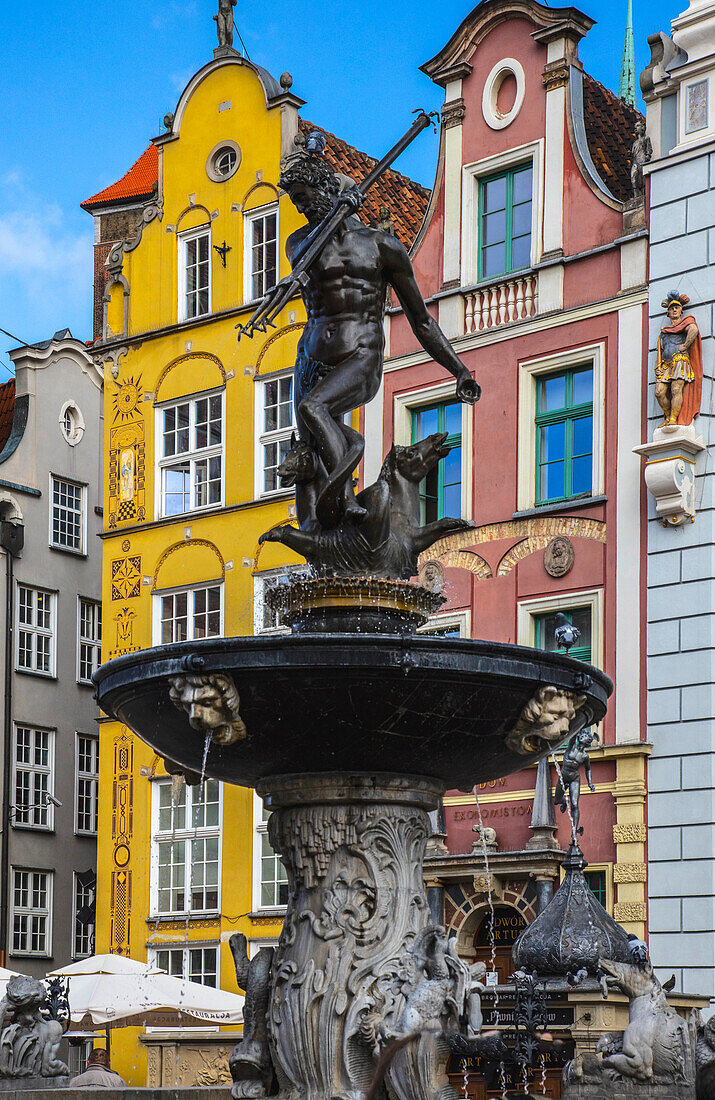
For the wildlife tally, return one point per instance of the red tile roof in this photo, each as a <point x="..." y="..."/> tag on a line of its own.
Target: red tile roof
<point x="7" y="409"/>
<point x="610" y="133"/>
<point x="137" y="183"/>
<point x="405" y="200"/>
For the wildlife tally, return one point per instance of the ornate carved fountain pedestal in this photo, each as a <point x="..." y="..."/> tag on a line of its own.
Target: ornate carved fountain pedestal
<point x="360" y="962"/>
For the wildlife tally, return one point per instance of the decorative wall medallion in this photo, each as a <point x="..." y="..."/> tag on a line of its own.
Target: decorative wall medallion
<point x="121" y="855"/>
<point x="127" y="398"/>
<point x="559" y="556"/>
<point x="126" y="577"/>
<point x="431" y="576"/>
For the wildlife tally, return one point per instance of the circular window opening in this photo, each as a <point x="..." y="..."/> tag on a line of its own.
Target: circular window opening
<point x="506" y="95"/>
<point x="71" y="424"/>
<point x="223" y="160"/>
<point x="503" y="94"/>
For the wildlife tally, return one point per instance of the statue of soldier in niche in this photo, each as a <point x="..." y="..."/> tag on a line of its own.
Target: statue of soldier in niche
<point x="568" y="788"/>
<point x="679" y="364"/>
<point x="224" y="22"/>
<point x="340" y="354"/>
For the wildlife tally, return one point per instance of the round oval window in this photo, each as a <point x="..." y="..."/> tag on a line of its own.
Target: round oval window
<point x="223" y="160"/>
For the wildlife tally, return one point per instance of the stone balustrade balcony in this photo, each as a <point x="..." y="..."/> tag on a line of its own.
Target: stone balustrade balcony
<point x="499" y="304"/>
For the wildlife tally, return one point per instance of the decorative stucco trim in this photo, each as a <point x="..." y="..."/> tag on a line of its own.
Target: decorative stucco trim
<point x="19" y="423"/>
<point x="579" y="142"/>
<point x="186" y="544"/>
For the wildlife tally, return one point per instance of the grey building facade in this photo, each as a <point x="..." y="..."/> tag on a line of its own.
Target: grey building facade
<point x="679" y="89"/>
<point x="51" y="432"/>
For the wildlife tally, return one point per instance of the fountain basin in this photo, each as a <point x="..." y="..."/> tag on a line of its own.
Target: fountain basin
<point x="448" y="708"/>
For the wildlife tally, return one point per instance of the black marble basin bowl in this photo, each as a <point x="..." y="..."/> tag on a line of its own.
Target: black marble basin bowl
<point x="448" y="708"/>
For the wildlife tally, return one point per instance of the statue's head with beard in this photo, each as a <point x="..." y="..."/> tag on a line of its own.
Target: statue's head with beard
<point x="310" y="182"/>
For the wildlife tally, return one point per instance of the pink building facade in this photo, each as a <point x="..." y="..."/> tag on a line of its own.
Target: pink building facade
<point x="532" y="256"/>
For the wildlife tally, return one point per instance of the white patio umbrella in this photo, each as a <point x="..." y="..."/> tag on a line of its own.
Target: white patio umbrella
<point x="5" y="976"/>
<point x="112" y="991"/>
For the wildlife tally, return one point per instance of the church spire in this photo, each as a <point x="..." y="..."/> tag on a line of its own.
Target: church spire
<point x="627" y="82"/>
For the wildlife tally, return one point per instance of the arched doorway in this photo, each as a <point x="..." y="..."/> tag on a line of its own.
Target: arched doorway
<point x="508" y="923"/>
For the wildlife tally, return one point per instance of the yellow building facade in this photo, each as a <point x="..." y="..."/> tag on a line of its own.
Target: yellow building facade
<point x="196" y="425"/>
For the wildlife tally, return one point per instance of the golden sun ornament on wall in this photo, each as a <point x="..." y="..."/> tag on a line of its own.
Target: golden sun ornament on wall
<point x="127" y="398"/>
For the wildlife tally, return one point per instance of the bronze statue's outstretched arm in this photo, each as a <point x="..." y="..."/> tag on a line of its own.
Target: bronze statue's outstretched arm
<point x="400" y="275"/>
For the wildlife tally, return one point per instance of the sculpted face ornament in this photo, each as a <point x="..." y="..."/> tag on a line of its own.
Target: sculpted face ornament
<point x="545" y="720"/>
<point x="28" y="1042"/>
<point x="211" y="703"/>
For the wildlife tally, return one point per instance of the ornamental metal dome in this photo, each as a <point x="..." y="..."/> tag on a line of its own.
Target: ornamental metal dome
<point x="572" y="932"/>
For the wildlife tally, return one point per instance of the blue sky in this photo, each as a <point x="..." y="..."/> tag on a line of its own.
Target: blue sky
<point x="84" y="86"/>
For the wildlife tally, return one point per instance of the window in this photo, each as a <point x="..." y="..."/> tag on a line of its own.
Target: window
<point x="71" y="423"/>
<point x="453" y="624"/>
<point x="197" y="964"/>
<point x="34" y="753"/>
<point x="194" y="274"/>
<point x="35" y="630"/>
<point x="67" y="516"/>
<point x="31" y="912"/>
<point x="505" y="222"/>
<point x="564" y="435"/>
<point x="87" y="760"/>
<point x="193" y="613"/>
<point x="186" y="849"/>
<point x="84" y="915"/>
<point x="260" y="268"/>
<point x="270" y="878"/>
<point x="191" y="462"/>
<point x="265" y="619"/>
<point x="275" y="424"/>
<point x="545" y="631"/>
<point x="89" y="646"/>
<point x="596" y="880"/>
<point x="441" y="490"/>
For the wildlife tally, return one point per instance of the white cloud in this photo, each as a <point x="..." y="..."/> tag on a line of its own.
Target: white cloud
<point x="45" y="264"/>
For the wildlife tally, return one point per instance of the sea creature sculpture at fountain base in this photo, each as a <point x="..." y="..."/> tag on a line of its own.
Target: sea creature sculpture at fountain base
<point x="360" y="963"/>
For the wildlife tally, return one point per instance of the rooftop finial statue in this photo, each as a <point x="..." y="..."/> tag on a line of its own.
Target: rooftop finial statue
<point x="679" y="364"/>
<point x="345" y="269"/>
<point x="224" y="22"/>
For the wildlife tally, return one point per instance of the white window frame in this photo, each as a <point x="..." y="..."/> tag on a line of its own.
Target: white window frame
<point x="45" y="632"/>
<point x="260" y="581"/>
<point x="95" y="643"/>
<point x="35" y="798"/>
<point x="31" y="912"/>
<point x="527" y="610"/>
<point x="260" y="828"/>
<point x="472" y="174"/>
<point x="530" y="372"/>
<point x="263" y="438"/>
<point x="248" y="219"/>
<point x="460" y="619"/>
<point x="406" y="403"/>
<point x="82" y="549"/>
<point x="86" y="777"/>
<point x="75" y="909"/>
<point x="185" y="948"/>
<point x="176" y="836"/>
<point x="191" y="456"/>
<point x="189" y="591"/>
<point x="182" y="242"/>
